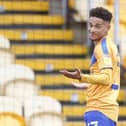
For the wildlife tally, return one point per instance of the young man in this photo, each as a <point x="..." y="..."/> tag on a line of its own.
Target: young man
<point x="104" y="77"/>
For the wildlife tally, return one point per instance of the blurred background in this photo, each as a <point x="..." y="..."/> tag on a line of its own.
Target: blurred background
<point x="37" y="39"/>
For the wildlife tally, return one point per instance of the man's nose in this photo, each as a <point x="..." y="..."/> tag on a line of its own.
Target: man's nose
<point x="92" y="29"/>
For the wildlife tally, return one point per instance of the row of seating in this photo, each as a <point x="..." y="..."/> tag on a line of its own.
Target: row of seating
<point x="78" y="110"/>
<point x="54" y="64"/>
<point x="30" y="113"/>
<point x="11" y="19"/>
<point x="28" y="49"/>
<point x="24" y="5"/>
<point x="75" y="95"/>
<point x="24" y="34"/>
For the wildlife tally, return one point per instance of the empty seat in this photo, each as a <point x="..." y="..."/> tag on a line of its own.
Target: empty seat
<point x="16" y="71"/>
<point x="20" y="89"/>
<point x="122" y="96"/>
<point x="4" y="42"/>
<point x="38" y="104"/>
<point x="82" y="8"/>
<point x="6" y="56"/>
<point x="46" y="119"/>
<point x="9" y="104"/>
<point x="11" y="119"/>
<point x="12" y="72"/>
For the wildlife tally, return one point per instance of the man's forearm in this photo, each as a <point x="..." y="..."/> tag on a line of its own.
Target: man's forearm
<point x="103" y="78"/>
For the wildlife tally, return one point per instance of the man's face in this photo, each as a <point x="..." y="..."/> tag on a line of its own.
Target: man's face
<point x="97" y="28"/>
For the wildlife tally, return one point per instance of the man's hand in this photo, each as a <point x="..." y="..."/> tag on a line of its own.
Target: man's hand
<point x="74" y="75"/>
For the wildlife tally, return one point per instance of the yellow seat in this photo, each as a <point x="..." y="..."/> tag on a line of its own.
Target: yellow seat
<point x="38" y="34"/>
<point x="11" y="119"/>
<point x="49" y="49"/>
<point x="55" y="64"/>
<point x="72" y="3"/>
<point x="30" y="19"/>
<point x="122" y="111"/>
<point x="25" y="5"/>
<point x="73" y="111"/>
<point x="122" y="96"/>
<point x="66" y="95"/>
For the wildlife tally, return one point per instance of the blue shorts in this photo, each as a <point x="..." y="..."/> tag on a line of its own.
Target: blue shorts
<point x="96" y="118"/>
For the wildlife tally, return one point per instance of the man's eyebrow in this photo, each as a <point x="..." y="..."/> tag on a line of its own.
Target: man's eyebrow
<point x="96" y="23"/>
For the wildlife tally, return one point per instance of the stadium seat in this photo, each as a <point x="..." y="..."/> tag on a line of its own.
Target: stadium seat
<point x="20" y="89"/>
<point x="38" y="34"/>
<point x="54" y="64"/>
<point x="16" y="71"/>
<point x="122" y="96"/>
<point x="46" y="119"/>
<point x="9" y="104"/>
<point x="11" y="119"/>
<point x="6" y="57"/>
<point x="49" y="49"/>
<point x="82" y="8"/>
<point x="4" y="42"/>
<point x="72" y="4"/>
<point x="12" y="72"/>
<point x="39" y="104"/>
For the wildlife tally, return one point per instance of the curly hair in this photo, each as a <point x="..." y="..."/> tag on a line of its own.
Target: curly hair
<point x="102" y="13"/>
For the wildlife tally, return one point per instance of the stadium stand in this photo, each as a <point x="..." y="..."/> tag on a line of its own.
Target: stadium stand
<point x="39" y="41"/>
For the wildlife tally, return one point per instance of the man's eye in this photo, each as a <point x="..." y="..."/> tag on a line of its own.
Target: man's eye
<point x="98" y="26"/>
